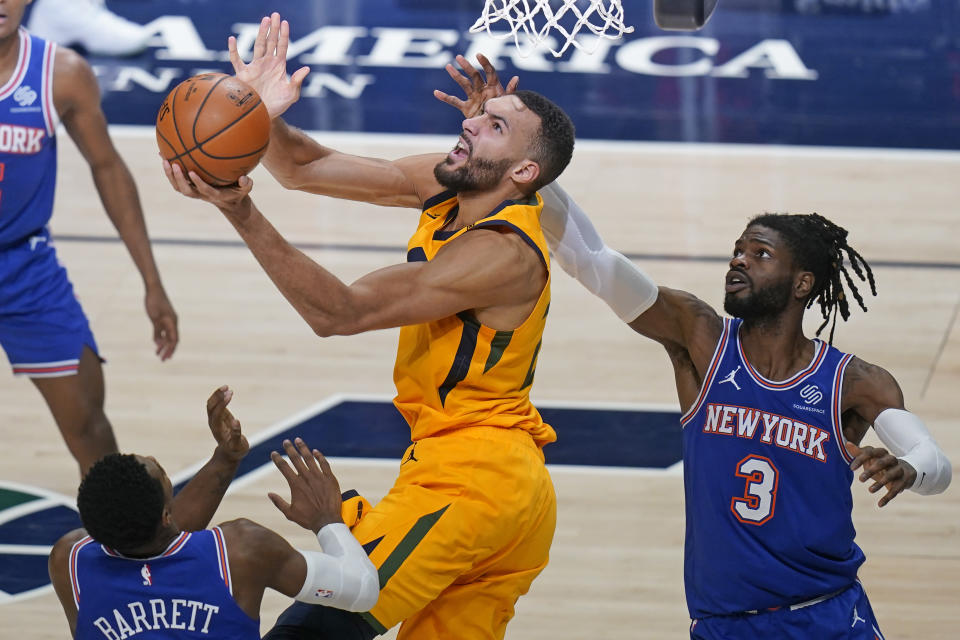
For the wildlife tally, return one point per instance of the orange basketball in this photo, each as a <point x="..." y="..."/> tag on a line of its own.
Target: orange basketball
<point x="215" y="125"/>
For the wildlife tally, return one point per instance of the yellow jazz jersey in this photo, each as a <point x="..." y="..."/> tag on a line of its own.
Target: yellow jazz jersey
<point x="455" y="372"/>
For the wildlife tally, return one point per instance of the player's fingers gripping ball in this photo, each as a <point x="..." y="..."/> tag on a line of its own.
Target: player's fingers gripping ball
<point x="214" y="125"/>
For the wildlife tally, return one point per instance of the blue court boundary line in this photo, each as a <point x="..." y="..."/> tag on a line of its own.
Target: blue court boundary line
<point x="370" y="248"/>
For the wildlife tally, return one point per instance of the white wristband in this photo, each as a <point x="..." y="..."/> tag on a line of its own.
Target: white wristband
<point x="581" y="252"/>
<point x="905" y="435"/>
<point x="342" y="576"/>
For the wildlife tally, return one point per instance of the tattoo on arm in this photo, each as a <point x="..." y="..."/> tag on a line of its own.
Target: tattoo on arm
<point x="868" y="390"/>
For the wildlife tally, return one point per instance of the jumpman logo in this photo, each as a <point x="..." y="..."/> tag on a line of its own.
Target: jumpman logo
<point x="730" y="378"/>
<point x="856" y="618"/>
<point x="411" y="457"/>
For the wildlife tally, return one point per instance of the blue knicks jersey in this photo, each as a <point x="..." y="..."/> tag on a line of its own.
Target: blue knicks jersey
<point x="185" y="592"/>
<point x="28" y="150"/>
<point x="767" y="482"/>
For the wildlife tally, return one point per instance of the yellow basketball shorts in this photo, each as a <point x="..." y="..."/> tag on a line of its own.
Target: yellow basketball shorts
<point x="461" y="535"/>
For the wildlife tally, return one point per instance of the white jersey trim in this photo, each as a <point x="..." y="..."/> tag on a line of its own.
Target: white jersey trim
<point x="55" y="363"/>
<point x="74" y="576"/>
<point x="20" y="70"/>
<point x="54" y="374"/>
<point x="50" y="116"/>
<point x="223" y="559"/>
<point x="711" y="373"/>
<point x="819" y="355"/>
<point x="835" y="411"/>
<point x="178" y="543"/>
<point x="55" y="369"/>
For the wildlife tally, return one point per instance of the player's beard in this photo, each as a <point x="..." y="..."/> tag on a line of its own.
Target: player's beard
<point x="760" y="304"/>
<point x="476" y="174"/>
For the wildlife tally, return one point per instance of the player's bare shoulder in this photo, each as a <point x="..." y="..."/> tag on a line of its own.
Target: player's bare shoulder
<point x="499" y="256"/>
<point x="494" y="270"/>
<point x="73" y="81"/>
<point x="518" y="257"/>
<point x="256" y="553"/>
<point x="251" y="542"/>
<point x="868" y="389"/>
<point x="519" y="249"/>
<point x="69" y="539"/>
<point x="60" y="552"/>
<point x="244" y="532"/>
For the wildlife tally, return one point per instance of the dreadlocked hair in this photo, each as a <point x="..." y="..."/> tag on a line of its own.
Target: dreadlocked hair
<point x="819" y="246"/>
<point x="120" y="503"/>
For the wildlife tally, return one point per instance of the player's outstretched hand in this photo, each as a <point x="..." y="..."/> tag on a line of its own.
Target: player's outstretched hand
<point x="231" y="442"/>
<point x="267" y="71"/>
<point x="883" y="468"/>
<point x="478" y="87"/>
<point x="164" y="320"/>
<point x="314" y="491"/>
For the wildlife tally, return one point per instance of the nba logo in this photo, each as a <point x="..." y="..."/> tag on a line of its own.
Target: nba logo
<point x="145" y="574"/>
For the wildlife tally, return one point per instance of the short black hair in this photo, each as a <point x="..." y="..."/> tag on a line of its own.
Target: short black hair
<point x="120" y="503"/>
<point x="552" y="144"/>
<point x="818" y="246"/>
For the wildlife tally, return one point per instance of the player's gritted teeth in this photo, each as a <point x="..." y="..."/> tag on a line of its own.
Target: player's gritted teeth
<point x="736" y="280"/>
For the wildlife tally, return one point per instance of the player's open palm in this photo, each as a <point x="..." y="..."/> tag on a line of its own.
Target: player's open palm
<point x="885" y="469"/>
<point x="225" y="428"/>
<point x="232" y="200"/>
<point x="267" y="71"/>
<point x="478" y="87"/>
<point x="314" y="491"/>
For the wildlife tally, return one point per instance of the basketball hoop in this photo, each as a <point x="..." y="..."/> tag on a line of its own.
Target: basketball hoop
<point x="536" y="19"/>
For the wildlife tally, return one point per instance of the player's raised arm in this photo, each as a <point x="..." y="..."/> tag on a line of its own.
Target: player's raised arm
<point x="341" y="576"/>
<point x="480" y="270"/>
<point x="299" y="162"/>
<point x="194" y="505"/>
<point x="671" y="317"/>
<point x="668" y="316"/>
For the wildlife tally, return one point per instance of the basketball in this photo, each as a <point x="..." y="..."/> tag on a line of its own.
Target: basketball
<point x="215" y="125"/>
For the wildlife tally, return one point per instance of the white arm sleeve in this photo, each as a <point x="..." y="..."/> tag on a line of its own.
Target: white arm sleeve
<point x="342" y="576"/>
<point x="906" y="437"/>
<point x="581" y="252"/>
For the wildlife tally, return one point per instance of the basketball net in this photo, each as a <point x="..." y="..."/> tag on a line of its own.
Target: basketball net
<point x="537" y="18"/>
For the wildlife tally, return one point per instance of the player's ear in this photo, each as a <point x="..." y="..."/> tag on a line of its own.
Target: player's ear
<point x="525" y="172"/>
<point x="803" y="285"/>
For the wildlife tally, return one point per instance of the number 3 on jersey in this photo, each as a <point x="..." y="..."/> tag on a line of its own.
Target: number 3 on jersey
<point x="760" y="493"/>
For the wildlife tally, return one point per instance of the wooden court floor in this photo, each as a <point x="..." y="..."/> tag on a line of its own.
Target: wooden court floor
<point x="616" y="569"/>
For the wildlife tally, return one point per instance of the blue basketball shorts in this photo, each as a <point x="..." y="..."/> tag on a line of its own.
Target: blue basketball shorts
<point x="43" y="329"/>
<point x="845" y="616"/>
